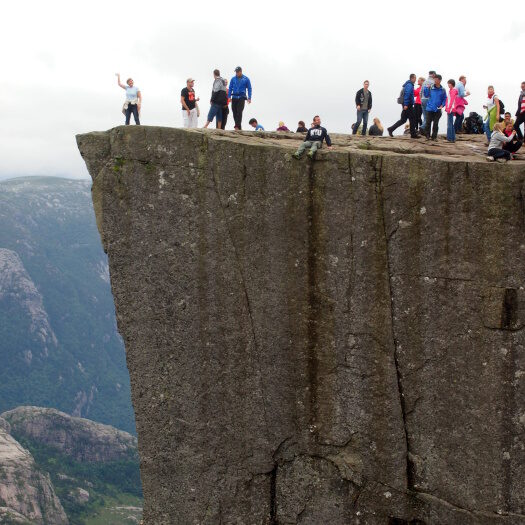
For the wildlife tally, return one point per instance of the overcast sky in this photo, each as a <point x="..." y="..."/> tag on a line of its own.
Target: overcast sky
<point x="303" y="58"/>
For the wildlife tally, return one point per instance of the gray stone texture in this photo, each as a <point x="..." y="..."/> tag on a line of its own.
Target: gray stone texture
<point x="338" y="341"/>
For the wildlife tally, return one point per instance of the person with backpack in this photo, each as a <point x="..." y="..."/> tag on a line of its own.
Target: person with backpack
<point x="363" y="103"/>
<point x="460" y="103"/>
<point x="313" y="140"/>
<point x="493" y="112"/>
<point x="449" y="108"/>
<point x="429" y="82"/>
<point x="406" y="99"/>
<point x="240" y="91"/>
<point x="520" y="114"/>
<point x="218" y="99"/>
<point x="498" y="138"/>
<point x="437" y="98"/>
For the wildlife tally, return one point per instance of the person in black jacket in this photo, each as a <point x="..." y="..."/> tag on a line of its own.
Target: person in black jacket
<point x="363" y="103"/>
<point x="218" y="99"/>
<point x="314" y="140"/>
<point x="520" y="114"/>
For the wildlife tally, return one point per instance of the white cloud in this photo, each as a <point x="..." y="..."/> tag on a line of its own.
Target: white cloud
<point x="303" y="58"/>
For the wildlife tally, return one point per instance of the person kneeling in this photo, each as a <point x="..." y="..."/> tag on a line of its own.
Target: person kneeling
<point x="314" y="140"/>
<point x="497" y="139"/>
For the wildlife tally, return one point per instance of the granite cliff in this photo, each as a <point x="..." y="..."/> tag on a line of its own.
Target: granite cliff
<point x="338" y="341"/>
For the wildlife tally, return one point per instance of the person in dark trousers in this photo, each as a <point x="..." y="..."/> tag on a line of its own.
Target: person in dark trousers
<point x="225" y="109"/>
<point x="363" y="104"/>
<point x="515" y="144"/>
<point x="301" y="127"/>
<point x="429" y="82"/>
<point x="376" y="129"/>
<point x="133" y="100"/>
<point x="314" y="140"/>
<point x="437" y="98"/>
<point x="240" y="91"/>
<point x="497" y="139"/>
<point x="408" y="112"/>
<point x="520" y="114"/>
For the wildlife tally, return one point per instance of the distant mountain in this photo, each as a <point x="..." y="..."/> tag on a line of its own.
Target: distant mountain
<point x="59" y="345"/>
<point x="57" y="469"/>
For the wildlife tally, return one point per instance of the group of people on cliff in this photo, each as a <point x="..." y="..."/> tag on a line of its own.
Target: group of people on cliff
<point x="422" y="107"/>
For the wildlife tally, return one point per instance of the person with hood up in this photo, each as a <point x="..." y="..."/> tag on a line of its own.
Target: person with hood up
<point x="218" y="99"/>
<point x="408" y="109"/>
<point x="437" y="98"/>
<point x="313" y="140"/>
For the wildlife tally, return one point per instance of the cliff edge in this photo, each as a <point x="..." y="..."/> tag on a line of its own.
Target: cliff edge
<point x="338" y="341"/>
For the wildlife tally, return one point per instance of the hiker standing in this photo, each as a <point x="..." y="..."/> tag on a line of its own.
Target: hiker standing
<point x="449" y="108"/>
<point x="225" y="108"/>
<point x="133" y="100"/>
<point x="437" y="98"/>
<point x="520" y="114"/>
<point x="493" y="112"/>
<point x="189" y="105"/>
<point x="406" y="98"/>
<point x="314" y="139"/>
<point x="240" y="91"/>
<point x="418" y="110"/>
<point x="218" y="99"/>
<point x="429" y="82"/>
<point x="363" y="103"/>
<point x="459" y="106"/>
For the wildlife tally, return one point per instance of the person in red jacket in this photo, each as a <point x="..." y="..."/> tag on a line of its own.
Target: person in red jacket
<point x="418" y="110"/>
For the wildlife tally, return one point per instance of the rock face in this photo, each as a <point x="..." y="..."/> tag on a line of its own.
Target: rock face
<point x="26" y="494"/>
<point x="338" y="341"/>
<point x="81" y="439"/>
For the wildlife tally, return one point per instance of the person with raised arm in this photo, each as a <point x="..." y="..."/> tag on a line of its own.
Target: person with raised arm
<point x="133" y="101"/>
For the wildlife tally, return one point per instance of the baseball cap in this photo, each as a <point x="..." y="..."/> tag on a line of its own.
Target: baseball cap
<point x="190" y="80"/>
<point x="238" y="68"/>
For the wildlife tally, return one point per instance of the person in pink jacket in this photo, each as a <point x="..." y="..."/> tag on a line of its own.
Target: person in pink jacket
<point x="449" y="108"/>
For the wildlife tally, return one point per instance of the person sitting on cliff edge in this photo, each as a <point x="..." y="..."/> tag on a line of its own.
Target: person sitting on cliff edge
<point x="313" y="140"/>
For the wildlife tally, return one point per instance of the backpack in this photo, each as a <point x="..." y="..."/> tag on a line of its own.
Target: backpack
<point x="401" y="98"/>
<point x="501" y="106"/>
<point x="473" y="124"/>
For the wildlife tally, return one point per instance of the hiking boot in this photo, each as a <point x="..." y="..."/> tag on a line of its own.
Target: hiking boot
<point x="390" y="132"/>
<point x="311" y="154"/>
<point x="296" y="156"/>
<point x="502" y="161"/>
<point x="415" y="136"/>
<point x="490" y="159"/>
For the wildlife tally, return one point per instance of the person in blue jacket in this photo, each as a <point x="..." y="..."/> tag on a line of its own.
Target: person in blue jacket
<point x="437" y="98"/>
<point x="408" y="112"/>
<point x="239" y="92"/>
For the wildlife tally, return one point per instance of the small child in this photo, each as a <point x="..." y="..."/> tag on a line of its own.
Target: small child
<point x="254" y="124"/>
<point x="497" y="139"/>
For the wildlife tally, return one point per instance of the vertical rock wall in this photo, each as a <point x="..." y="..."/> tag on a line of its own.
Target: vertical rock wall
<point x="330" y="342"/>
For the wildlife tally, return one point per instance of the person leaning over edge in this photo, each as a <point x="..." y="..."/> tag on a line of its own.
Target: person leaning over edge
<point x="313" y="140"/>
<point x="408" y="109"/>
<point x="240" y="91"/>
<point x="520" y="114"/>
<point x="189" y="104"/>
<point x="363" y="103"/>
<point x="133" y="100"/>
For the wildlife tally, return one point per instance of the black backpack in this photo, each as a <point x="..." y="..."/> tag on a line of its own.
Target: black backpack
<point x="473" y="124"/>
<point x="501" y="107"/>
